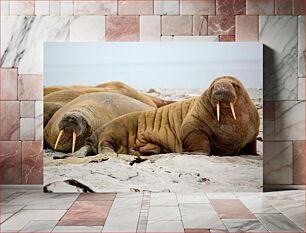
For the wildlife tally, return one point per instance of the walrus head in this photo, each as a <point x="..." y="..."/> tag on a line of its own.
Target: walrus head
<point x="73" y="125"/>
<point x="224" y="94"/>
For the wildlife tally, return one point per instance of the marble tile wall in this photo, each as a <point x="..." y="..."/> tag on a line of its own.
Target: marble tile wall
<point x="26" y="24"/>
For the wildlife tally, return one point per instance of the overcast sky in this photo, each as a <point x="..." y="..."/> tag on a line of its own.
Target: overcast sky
<point x="145" y="65"/>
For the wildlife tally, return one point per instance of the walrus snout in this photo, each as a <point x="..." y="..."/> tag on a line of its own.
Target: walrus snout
<point x="224" y="92"/>
<point x="71" y="123"/>
<point x="223" y="96"/>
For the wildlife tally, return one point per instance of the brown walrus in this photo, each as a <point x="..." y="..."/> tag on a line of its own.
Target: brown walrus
<point x="122" y="86"/>
<point x="59" y="95"/>
<point x="222" y="121"/>
<point x="78" y="119"/>
<point x="51" y="89"/>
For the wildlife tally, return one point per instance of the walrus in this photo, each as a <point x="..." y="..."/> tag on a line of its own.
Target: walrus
<point x="222" y="121"/>
<point x="122" y="86"/>
<point x="60" y="95"/>
<point x="51" y="89"/>
<point x="78" y="119"/>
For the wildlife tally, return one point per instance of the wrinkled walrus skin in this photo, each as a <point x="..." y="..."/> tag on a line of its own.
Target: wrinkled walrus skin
<point x="83" y="115"/>
<point x="57" y="96"/>
<point x="206" y="124"/>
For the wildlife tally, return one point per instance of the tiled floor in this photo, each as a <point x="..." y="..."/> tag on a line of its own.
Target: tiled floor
<point x="33" y="211"/>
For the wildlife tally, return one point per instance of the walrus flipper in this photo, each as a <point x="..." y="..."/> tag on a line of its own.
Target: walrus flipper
<point x="196" y="142"/>
<point x="249" y="149"/>
<point x="150" y="149"/>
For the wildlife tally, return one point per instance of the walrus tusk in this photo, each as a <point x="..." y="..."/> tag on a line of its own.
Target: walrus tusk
<point x="73" y="141"/>
<point x="58" y="138"/>
<point x="218" y="111"/>
<point x="233" y="110"/>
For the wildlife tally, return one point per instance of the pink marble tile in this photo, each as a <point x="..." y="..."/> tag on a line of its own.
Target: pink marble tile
<point x="221" y="25"/>
<point x="122" y="28"/>
<point x="283" y="7"/>
<point x="260" y="7"/>
<point x="105" y="7"/>
<point x="176" y="25"/>
<point x="10" y="162"/>
<point x="96" y="197"/>
<point x="86" y="213"/>
<point x="200" y="25"/>
<point x="198" y="7"/>
<point x="8" y="84"/>
<point x="230" y="7"/>
<point x="247" y="28"/>
<point x="27" y="108"/>
<point x="299" y="162"/>
<point x="227" y="38"/>
<point x="32" y="162"/>
<point x="298" y="7"/>
<point x="9" y="120"/>
<point x="22" y="7"/>
<point x="30" y="87"/>
<point x="231" y="209"/>
<point x="269" y="110"/>
<point x="135" y="7"/>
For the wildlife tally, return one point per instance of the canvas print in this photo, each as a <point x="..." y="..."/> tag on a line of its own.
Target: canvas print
<point x="159" y="117"/>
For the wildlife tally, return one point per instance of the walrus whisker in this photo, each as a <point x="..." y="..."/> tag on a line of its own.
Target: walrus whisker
<point x="73" y="141"/>
<point x="233" y="110"/>
<point x="218" y="111"/>
<point x="58" y="138"/>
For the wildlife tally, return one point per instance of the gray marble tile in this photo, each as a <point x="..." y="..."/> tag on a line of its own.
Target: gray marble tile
<point x="167" y="7"/>
<point x="22" y="40"/>
<point x="9" y="210"/>
<point x="294" y="210"/>
<point x="301" y="89"/>
<point x="269" y="132"/>
<point x="278" y="163"/>
<point x="163" y="199"/>
<point x="290" y="120"/>
<point x="87" y="28"/>
<point x="220" y="195"/>
<point x="238" y="225"/>
<point x="301" y="46"/>
<point x="258" y="205"/>
<point x="279" y="35"/>
<point x="39" y="226"/>
<point x="5" y="7"/>
<point x="6" y="193"/>
<point x="45" y="200"/>
<point x="42" y="7"/>
<point x="278" y="223"/>
<point x="75" y="229"/>
<point x="67" y="7"/>
<point x="162" y="213"/>
<point x="124" y="214"/>
<point x="23" y="217"/>
<point x="192" y="198"/>
<point x="205" y="217"/>
<point x="165" y="226"/>
<point x="294" y="195"/>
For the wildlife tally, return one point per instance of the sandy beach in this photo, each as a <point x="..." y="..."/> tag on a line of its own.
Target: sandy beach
<point x="164" y="172"/>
